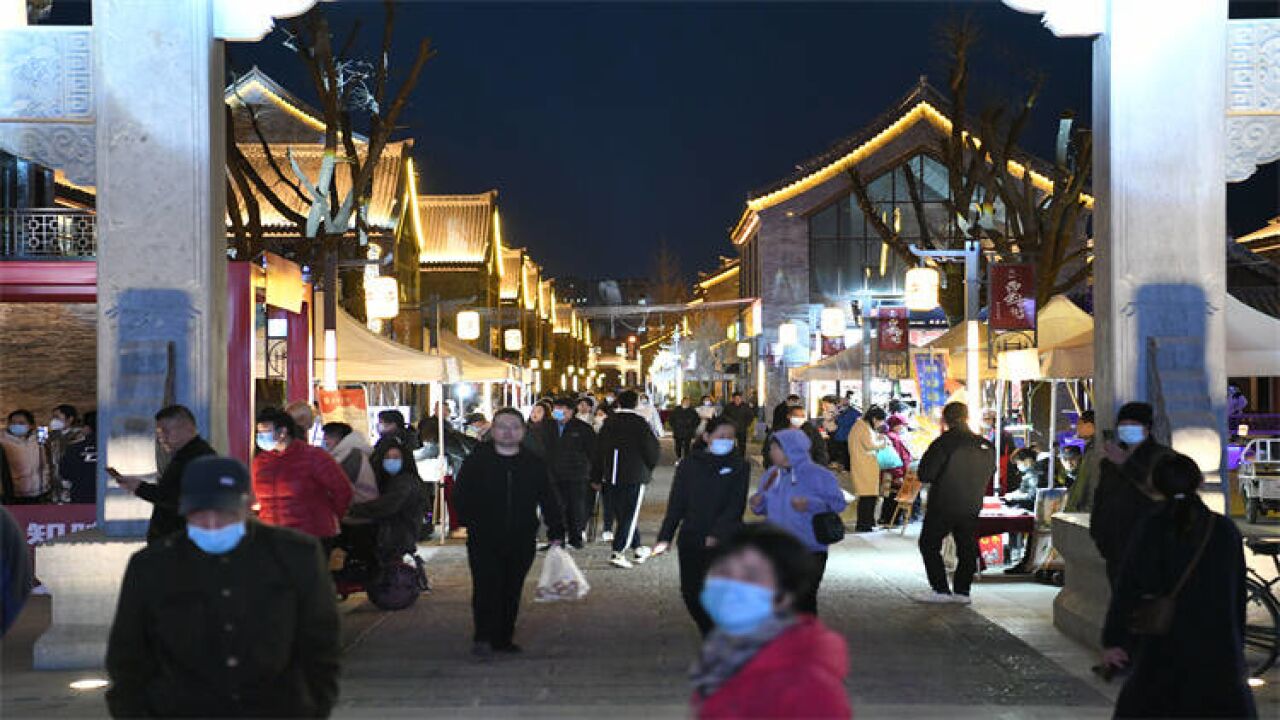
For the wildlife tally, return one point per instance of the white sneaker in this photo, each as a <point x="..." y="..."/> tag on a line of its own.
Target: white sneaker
<point x="959" y="599"/>
<point x="619" y="560"/>
<point x="606" y="536"/>
<point x="642" y="553"/>
<point x="935" y="598"/>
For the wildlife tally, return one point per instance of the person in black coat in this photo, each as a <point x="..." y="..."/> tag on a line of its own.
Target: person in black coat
<point x="79" y="466"/>
<point x="499" y="491"/>
<point x="684" y="426"/>
<point x="1125" y="494"/>
<point x="626" y="454"/>
<point x="956" y="467"/>
<point x="707" y="500"/>
<point x="397" y="511"/>
<point x="1197" y="668"/>
<point x="741" y="415"/>
<point x="16" y="577"/>
<point x="780" y="411"/>
<point x="796" y="418"/>
<point x="571" y="449"/>
<point x="177" y="434"/>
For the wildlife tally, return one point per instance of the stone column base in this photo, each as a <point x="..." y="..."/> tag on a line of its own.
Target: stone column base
<point x="1080" y="609"/>
<point x="83" y="573"/>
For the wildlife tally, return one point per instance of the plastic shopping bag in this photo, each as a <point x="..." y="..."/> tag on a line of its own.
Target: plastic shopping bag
<point x="560" y="578"/>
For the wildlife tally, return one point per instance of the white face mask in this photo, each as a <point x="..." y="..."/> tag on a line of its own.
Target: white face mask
<point x="56" y="425"/>
<point x="796" y="421"/>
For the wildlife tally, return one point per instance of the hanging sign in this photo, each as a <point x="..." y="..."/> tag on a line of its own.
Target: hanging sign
<point x="1013" y="297"/>
<point x="894" y="329"/>
<point x="931" y="379"/>
<point x="348" y="405"/>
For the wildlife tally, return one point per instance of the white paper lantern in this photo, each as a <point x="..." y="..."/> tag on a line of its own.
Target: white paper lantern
<point x="832" y="322"/>
<point x="512" y="340"/>
<point x="744" y="350"/>
<point x="788" y="334"/>
<point x="922" y="289"/>
<point x="381" y="298"/>
<point x="468" y="325"/>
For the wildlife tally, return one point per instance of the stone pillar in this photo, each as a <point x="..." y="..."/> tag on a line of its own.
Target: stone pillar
<point x="161" y="228"/>
<point x="1159" y="83"/>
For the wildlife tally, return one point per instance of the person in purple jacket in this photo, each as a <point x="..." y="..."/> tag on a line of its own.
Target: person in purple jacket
<point x="791" y="493"/>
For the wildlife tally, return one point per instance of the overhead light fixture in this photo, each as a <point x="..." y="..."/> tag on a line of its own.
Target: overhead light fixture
<point x="381" y="297"/>
<point x="546" y="364"/>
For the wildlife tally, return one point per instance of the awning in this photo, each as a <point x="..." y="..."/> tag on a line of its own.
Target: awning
<point x="1253" y="341"/>
<point x="363" y="356"/>
<point x="475" y="365"/>
<point x="844" y="365"/>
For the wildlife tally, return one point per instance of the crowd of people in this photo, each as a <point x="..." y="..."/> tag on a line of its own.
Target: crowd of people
<point x="60" y="467"/>
<point x="241" y="556"/>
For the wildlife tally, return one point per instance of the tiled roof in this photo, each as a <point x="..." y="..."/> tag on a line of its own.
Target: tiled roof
<point x="531" y="277"/>
<point x="512" y="273"/>
<point x="281" y="115"/>
<point x="456" y="228"/>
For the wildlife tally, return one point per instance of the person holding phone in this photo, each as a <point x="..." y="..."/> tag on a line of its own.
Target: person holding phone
<point x="177" y="434"/>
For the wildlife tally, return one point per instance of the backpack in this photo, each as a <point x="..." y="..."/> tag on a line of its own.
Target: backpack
<point x="398" y="584"/>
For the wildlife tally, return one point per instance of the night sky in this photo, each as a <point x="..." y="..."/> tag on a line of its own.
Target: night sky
<point x="610" y="127"/>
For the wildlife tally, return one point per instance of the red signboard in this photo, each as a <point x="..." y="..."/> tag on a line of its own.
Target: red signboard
<point x="894" y="329"/>
<point x="1013" y="297"/>
<point x="42" y="523"/>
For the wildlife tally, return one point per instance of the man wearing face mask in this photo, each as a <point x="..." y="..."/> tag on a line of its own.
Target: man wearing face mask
<point x="1125" y="494"/>
<point x="232" y="618"/>
<point x="177" y="434"/>
<point x="571" y="447"/>
<point x="65" y="430"/>
<point x="28" y="466"/>
<point x="297" y="485"/>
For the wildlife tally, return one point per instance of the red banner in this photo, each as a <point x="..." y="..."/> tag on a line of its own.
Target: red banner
<point x="42" y="523"/>
<point x="1013" y="297"/>
<point x="895" y="329"/>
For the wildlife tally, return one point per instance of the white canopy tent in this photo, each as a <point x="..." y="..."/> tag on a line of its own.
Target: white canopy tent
<point x="844" y="365"/>
<point x="476" y="365"/>
<point x="362" y="356"/>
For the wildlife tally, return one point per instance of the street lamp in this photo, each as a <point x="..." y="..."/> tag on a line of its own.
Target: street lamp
<point x="922" y="289"/>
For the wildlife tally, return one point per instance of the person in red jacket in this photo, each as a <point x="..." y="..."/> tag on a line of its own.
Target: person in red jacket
<point x="763" y="659"/>
<point x="297" y="485"/>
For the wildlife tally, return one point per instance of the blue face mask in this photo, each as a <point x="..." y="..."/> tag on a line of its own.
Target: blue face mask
<point x="217" y="542"/>
<point x="392" y="465"/>
<point x="19" y="430"/>
<point x="266" y="441"/>
<point x="1131" y="435"/>
<point x="737" y="607"/>
<point x="560" y="415"/>
<point x="721" y="446"/>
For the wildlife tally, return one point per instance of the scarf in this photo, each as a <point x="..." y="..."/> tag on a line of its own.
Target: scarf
<point x="723" y="655"/>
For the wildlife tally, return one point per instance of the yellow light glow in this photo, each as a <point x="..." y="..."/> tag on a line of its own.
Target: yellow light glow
<point x="497" y="243"/>
<point x="381" y="298"/>
<point x="831" y="321"/>
<point x="884" y="258"/>
<point x="512" y="340"/>
<point x="330" y="359"/>
<point x="468" y="325"/>
<point x="721" y="276"/>
<point x="290" y="108"/>
<point x="411" y="202"/>
<point x="90" y="684"/>
<point x="744" y="350"/>
<point x="1257" y="682"/>
<point x="921" y="289"/>
<point x="788" y="334"/>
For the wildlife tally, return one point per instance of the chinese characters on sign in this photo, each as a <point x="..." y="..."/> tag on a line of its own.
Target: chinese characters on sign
<point x="1013" y="297"/>
<point x="43" y="523"/>
<point x="931" y="378"/>
<point x="894" y="329"/>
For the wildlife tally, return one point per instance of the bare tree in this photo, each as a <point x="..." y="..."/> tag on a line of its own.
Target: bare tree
<point x="669" y="284"/>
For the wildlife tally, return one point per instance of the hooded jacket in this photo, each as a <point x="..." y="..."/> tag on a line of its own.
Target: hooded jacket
<point x="707" y="498"/>
<point x="627" y="432"/>
<point x="803" y="479"/>
<point x="301" y="488"/>
<point x="352" y="455"/>
<point x="798" y="675"/>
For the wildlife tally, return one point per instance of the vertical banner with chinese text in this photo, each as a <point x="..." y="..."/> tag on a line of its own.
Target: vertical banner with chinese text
<point x="894" y="329"/>
<point x="1013" y="297"/>
<point x="931" y="378"/>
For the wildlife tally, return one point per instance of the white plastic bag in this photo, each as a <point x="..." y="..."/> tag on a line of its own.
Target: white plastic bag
<point x="560" y="578"/>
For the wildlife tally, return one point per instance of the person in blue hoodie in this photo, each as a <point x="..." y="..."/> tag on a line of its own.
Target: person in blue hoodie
<point x="791" y="493"/>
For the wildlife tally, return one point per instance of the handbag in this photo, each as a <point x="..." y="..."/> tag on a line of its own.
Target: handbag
<point x="828" y="528"/>
<point x="1154" y="615"/>
<point x="888" y="458"/>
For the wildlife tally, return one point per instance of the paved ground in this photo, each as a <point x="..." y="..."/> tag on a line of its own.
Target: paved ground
<point x="624" y="651"/>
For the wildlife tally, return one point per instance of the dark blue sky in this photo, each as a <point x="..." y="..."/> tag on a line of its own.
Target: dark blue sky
<point x="607" y="127"/>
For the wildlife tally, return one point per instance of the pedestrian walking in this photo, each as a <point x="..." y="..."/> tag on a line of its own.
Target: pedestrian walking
<point x="766" y="658"/>
<point x="865" y="441"/>
<point x="1125" y="493"/>
<point x="79" y="465"/>
<point x="797" y="420"/>
<point x="891" y="480"/>
<point x="781" y="410"/>
<point x="297" y="485"/>
<point x="649" y="412"/>
<point x="66" y="428"/>
<point x="626" y="454"/>
<point x="846" y="420"/>
<point x="29" y="473"/>
<point x="707" y="499"/>
<point x="684" y="422"/>
<point x="791" y="493"/>
<point x="1192" y="557"/>
<point x="178" y="436"/>
<point x="500" y="489"/>
<point x="741" y="415"/>
<point x="571" y="449"/>
<point x="16" y="576"/>
<point x="956" y="468"/>
<point x="232" y="618"/>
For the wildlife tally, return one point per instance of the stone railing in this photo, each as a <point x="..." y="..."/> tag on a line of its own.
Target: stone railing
<point x="48" y="234"/>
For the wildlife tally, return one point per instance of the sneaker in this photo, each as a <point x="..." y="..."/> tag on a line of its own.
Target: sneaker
<point x="642" y="553"/>
<point x="606" y="536"/>
<point x="935" y="598"/>
<point x="961" y="599"/>
<point x="619" y="560"/>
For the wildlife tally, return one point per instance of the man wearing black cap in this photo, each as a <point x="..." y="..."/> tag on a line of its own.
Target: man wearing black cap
<point x="1125" y="494"/>
<point x="232" y="618"/>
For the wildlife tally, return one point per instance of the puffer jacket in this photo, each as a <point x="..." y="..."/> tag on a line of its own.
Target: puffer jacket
<point x="28" y="466"/>
<point x="798" y="675"/>
<point x="570" y="451"/>
<point x="398" y="512"/>
<point x="301" y="488"/>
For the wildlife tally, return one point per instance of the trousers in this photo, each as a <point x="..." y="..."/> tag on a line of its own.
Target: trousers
<point x="693" y="575"/>
<point x="497" y="578"/>
<point x="573" y="501"/>
<point x="682" y="445"/>
<point x="808" y="602"/>
<point x="866" y="513"/>
<point x="964" y="531"/>
<point x="625" y="498"/>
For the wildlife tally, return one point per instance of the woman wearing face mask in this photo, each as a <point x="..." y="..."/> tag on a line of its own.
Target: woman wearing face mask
<point x="798" y="420"/>
<point x="791" y="493"/>
<point x="397" y="510"/>
<point x="706" y="502"/>
<point x="763" y="660"/>
<point x="864" y="442"/>
<point x="28" y="467"/>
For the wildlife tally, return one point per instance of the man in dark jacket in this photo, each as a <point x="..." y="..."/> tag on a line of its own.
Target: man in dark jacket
<point x="741" y="415"/>
<point x="79" y="464"/>
<point x="571" y="449"/>
<point x="684" y="425"/>
<point x="956" y="467"/>
<point x="500" y="488"/>
<point x="626" y="454"/>
<point x="779" y="420"/>
<point x="1125" y="494"/>
<point x="177" y="434"/>
<point x="231" y="619"/>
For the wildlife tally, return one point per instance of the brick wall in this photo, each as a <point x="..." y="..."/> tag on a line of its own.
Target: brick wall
<point x="48" y="356"/>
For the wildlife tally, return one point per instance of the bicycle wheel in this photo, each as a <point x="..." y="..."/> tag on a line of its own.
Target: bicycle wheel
<point x="1261" y="629"/>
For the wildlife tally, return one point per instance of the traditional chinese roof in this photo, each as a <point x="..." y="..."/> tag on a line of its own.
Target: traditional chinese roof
<point x="565" y="319"/>
<point x="531" y="277"/>
<point x="512" y="274"/>
<point x="1265" y="239"/>
<point x="280" y="114"/>
<point x="1253" y="279"/>
<point x="546" y="300"/>
<point x="457" y="228"/>
<point x="728" y="270"/>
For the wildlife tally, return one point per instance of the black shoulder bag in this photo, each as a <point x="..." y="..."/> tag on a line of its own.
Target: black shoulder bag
<point x="1154" y="615"/>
